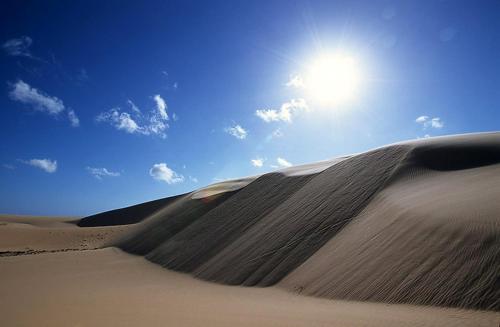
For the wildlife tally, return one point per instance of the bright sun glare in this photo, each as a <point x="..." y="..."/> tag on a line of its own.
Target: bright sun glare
<point x="333" y="79"/>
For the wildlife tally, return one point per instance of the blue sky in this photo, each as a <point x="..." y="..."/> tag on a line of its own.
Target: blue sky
<point x="108" y="104"/>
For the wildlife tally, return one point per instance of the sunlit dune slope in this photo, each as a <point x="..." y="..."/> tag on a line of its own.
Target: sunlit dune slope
<point x="414" y="222"/>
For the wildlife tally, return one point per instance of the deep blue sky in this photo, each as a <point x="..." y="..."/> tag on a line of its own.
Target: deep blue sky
<point x="215" y="64"/>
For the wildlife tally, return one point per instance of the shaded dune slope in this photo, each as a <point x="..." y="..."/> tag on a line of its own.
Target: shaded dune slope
<point x="415" y="222"/>
<point x="432" y="237"/>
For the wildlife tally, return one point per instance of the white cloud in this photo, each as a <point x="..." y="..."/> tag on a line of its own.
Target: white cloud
<point x="422" y="119"/>
<point x="237" y="131"/>
<point x="22" y="92"/>
<point x="437" y="122"/>
<point x="26" y="94"/>
<point x="99" y="173"/>
<point x="283" y="162"/>
<point x="120" y="120"/>
<point x="257" y="162"/>
<point x="18" y="47"/>
<point x="285" y="113"/>
<point x="193" y="179"/>
<point x="156" y="126"/>
<point x="426" y="121"/>
<point x="73" y="119"/>
<point x="154" y="123"/>
<point x="295" y="81"/>
<point x="161" y="106"/>
<point x="162" y="172"/>
<point x="50" y="166"/>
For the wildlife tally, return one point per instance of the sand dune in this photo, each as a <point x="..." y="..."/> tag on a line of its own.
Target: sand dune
<point x="395" y="231"/>
<point x="414" y="222"/>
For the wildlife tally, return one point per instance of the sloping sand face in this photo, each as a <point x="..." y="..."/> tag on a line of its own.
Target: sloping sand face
<point x="411" y="223"/>
<point x="414" y="222"/>
<point x="430" y="238"/>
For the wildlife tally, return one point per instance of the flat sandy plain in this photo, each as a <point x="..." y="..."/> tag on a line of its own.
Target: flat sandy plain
<point x="403" y="235"/>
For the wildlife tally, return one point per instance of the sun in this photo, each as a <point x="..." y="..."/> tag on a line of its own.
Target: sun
<point x="333" y="79"/>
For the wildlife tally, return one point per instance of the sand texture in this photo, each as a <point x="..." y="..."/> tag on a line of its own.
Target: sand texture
<point x="111" y="288"/>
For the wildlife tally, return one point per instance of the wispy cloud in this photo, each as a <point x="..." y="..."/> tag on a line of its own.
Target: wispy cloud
<point x="18" y="47"/>
<point x="257" y="162"/>
<point x="283" y="162"/>
<point x="237" y="131"/>
<point x="120" y="120"/>
<point x="134" y="107"/>
<point x="426" y="122"/>
<point x="99" y="173"/>
<point x="193" y="179"/>
<point x="422" y="119"/>
<point x="24" y="93"/>
<point x="295" y="81"/>
<point x="39" y="101"/>
<point x="8" y="166"/>
<point x="48" y="165"/>
<point x="285" y="113"/>
<point x="161" y="106"/>
<point x="162" y="172"/>
<point x="437" y="123"/>
<point x="154" y="123"/>
<point x="73" y="118"/>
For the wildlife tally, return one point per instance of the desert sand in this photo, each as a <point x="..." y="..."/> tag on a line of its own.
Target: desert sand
<point x="403" y="235"/>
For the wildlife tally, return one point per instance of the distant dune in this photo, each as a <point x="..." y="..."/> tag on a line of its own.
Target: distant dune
<point x="414" y="223"/>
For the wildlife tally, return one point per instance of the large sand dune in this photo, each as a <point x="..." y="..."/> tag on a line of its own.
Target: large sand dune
<point x="397" y="229"/>
<point x="414" y="222"/>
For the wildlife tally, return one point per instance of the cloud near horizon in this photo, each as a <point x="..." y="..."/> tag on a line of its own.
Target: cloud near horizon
<point x="285" y="113"/>
<point x="257" y="162"/>
<point x="99" y="173"/>
<point x="22" y="92"/>
<point x="155" y="123"/>
<point x="283" y="162"/>
<point x="426" y="122"/>
<point x="237" y="131"/>
<point x="49" y="166"/>
<point x="162" y="172"/>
